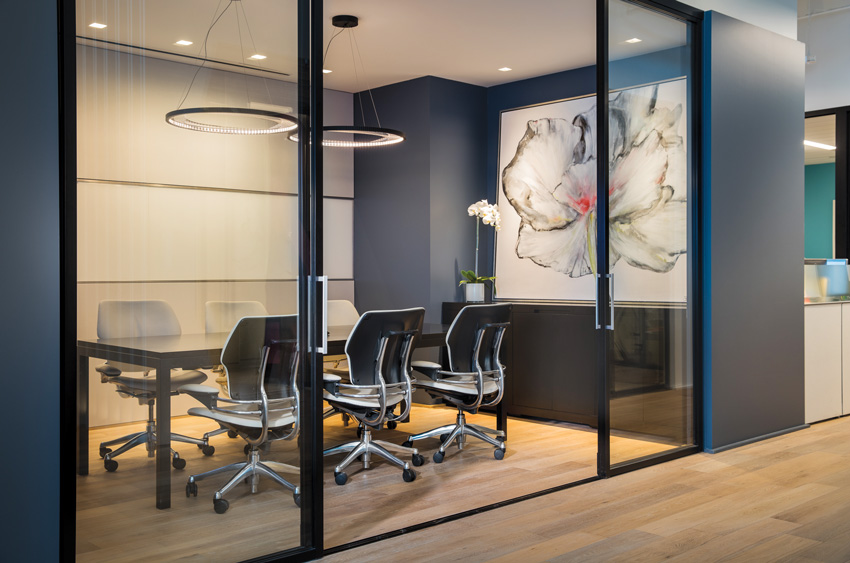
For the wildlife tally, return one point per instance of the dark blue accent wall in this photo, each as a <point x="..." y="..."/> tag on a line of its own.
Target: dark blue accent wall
<point x="412" y="234"/>
<point x="29" y="229"/>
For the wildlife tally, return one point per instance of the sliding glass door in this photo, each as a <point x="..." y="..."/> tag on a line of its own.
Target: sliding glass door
<point x="197" y="205"/>
<point x="647" y="248"/>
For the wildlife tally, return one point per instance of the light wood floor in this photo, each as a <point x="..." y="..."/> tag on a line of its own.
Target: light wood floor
<point x="780" y="500"/>
<point x="117" y="521"/>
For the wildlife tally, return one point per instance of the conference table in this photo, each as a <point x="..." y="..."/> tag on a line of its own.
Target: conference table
<point x="164" y="353"/>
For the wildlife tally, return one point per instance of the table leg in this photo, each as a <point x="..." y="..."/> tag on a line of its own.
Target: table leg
<point x="82" y="414"/>
<point x="163" y="436"/>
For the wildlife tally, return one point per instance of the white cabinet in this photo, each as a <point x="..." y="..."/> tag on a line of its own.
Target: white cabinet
<point x="826" y="396"/>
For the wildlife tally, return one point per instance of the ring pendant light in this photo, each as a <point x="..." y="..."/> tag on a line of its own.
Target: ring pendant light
<point x="355" y="136"/>
<point x="229" y="120"/>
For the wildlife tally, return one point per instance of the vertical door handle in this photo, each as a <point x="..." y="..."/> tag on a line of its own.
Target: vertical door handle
<point x="596" y="301"/>
<point x="324" y="347"/>
<point x="611" y="296"/>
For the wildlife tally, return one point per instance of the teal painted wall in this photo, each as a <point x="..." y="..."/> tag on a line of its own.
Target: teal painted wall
<point x="820" y="191"/>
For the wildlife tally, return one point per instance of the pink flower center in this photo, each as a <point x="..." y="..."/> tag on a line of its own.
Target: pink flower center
<point x="584" y="204"/>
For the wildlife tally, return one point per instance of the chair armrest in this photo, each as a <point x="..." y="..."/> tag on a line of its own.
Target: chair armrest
<point x="206" y="395"/>
<point x="429" y="369"/>
<point x="331" y="383"/>
<point x="108" y="370"/>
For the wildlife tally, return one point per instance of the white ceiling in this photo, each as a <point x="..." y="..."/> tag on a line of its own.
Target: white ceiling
<point x="464" y="40"/>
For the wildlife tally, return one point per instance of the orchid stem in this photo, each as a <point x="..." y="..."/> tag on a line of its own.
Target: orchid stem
<point x="477" y="223"/>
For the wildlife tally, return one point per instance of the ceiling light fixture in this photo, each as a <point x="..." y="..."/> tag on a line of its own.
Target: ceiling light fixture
<point x="819" y="145"/>
<point x="505" y="69"/>
<point x="231" y="120"/>
<point x="326" y="71"/>
<point x="97" y="25"/>
<point x="355" y="136"/>
<point x="634" y="40"/>
<point x="183" y="42"/>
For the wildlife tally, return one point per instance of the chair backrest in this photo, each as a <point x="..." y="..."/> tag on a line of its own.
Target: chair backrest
<point x="363" y="345"/>
<point x="462" y="336"/>
<point x="123" y="319"/>
<point x="221" y="316"/>
<point x="342" y="312"/>
<point x="245" y="349"/>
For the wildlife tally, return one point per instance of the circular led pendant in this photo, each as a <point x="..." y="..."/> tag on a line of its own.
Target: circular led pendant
<point x="232" y="121"/>
<point x="356" y="137"/>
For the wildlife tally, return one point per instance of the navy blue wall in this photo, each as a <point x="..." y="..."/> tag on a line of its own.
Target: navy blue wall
<point x="29" y="229"/>
<point x="412" y="234"/>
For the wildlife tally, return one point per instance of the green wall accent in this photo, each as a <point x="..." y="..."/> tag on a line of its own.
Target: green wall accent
<point x="820" y="192"/>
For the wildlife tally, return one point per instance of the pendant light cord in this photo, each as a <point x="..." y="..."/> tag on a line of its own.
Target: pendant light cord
<point x="204" y="49"/>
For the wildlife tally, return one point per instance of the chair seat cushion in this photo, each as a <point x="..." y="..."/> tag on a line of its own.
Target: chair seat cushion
<point x="278" y="420"/>
<point x="354" y="402"/>
<point x="456" y="385"/>
<point x="147" y="384"/>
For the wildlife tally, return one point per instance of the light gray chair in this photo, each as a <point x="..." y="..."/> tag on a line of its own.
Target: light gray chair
<point x="475" y="377"/>
<point x="260" y="360"/>
<point x="123" y="319"/>
<point x="378" y="352"/>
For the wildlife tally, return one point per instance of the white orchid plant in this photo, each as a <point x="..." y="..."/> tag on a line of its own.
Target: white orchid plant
<point x="488" y="214"/>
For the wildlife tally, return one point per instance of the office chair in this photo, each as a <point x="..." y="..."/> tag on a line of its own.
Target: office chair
<point x="123" y="319"/>
<point x="341" y="312"/>
<point x="475" y="377"/>
<point x="260" y="360"/>
<point x="378" y="352"/>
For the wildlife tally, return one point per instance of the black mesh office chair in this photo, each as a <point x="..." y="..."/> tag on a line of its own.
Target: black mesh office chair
<point x="475" y="377"/>
<point x="378" y="352"/>
<point x="260" y="360"/>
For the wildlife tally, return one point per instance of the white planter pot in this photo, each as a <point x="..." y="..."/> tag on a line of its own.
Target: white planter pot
<point x="474" y="292"/>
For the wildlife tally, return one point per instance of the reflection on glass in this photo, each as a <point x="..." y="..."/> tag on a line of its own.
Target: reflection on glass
<point x="651" y="390"/>
<point x="819" y="149"/>
<point x="182" y="233"/>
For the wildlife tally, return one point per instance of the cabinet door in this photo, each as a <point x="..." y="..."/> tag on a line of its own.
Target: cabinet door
<point x="823" y="361"/>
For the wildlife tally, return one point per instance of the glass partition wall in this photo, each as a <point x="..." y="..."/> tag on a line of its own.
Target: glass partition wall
<point x="184" y="230"/>
<point x="189" y="197"/>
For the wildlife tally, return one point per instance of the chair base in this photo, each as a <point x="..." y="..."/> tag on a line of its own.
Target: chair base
<point x="148" y="438"/>
<point x="459" y="432"/>
<point x="365" y="447"/>
<point x="250" y="471"/>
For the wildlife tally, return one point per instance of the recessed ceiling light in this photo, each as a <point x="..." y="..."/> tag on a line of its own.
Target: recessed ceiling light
<point x="97" y="25"/>
<point x="505" y="69"/>
<point x="183" y="42"/>
<point x="257" y="57"/>
<point x="819" y="145"/>
<point x="634" y="40"/>
<point x="327" y="70"/>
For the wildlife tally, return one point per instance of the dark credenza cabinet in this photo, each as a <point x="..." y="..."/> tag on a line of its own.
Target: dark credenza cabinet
<point x="550" y="354"/>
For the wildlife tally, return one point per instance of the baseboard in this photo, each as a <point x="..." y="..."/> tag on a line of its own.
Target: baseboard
<point x="756" y="439"/>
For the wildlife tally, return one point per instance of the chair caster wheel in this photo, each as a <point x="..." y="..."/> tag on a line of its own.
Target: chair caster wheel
<point x="104" y="451"/>
<point x="443" y="438"/>
<point x="220" y="505"/>
<point x="499" y="453"/>
<point x="340" y="478"/>
<point x="191" y="489"/>
<point x="407" y="444"/>
<point x="418" y="460"/>
<point x="408" y="475"/>
<point x="392" y="424"/>
<point x="297" y="499"/>
<point x="231" y="434"/>
<point x="178" y="463"/>
<point x="438" y="457"/>
<point x="208" y="450"/>
<point x="110" y="465"/>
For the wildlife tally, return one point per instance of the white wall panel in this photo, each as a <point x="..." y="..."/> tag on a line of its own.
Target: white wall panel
<point x="339" y="238"/>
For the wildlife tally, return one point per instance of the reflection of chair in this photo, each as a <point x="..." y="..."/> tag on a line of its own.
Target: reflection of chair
<point x="475" y="377"/>
<point x="123" y="319"/>
<point x="341" y="312"/>
<point x="260" y="360"/>
<point x="378" y="352"/>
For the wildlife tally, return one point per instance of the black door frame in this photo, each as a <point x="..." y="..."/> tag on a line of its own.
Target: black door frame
<point x="693" y="16"/>
<point x="842" y="179"/>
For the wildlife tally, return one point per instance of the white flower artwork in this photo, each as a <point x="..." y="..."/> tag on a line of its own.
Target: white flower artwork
<point x="547" y="247"/>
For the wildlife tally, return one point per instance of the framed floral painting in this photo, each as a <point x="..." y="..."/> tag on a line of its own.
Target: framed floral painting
<point x="547" y="197"/>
